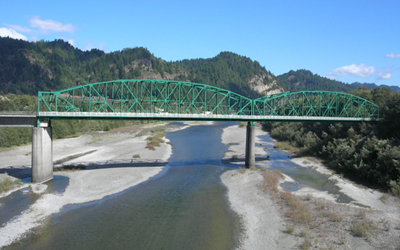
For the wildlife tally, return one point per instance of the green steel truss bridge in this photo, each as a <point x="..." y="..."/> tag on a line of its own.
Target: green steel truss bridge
<point x="176" y="100"/>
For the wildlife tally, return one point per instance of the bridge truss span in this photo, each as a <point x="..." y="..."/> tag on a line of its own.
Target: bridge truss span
<point x="176" y="100"/>
<point x="144" y="97"/>
<point x="317" y="104"/>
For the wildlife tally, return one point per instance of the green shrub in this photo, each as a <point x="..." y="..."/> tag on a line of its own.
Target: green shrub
<point x="6" y="184"/>
<point x="395" y="187"/>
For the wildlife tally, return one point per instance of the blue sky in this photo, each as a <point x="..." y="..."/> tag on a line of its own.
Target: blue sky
<point x="347" y="40"/>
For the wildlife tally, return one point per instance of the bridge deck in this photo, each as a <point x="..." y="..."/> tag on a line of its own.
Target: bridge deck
<point x="170" y="116"/>
<point x="18" y="120"/>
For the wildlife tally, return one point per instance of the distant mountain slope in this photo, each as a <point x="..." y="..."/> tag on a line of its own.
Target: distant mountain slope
<point x="357" y="85"/>
<point x="27" y="67"/>
<point x="306" y="80"/>
<point x="231" y="71"/>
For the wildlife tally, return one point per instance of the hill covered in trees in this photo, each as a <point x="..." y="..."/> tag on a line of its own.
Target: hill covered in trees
<point x="370" y="151"/>
<point x="29" y="67"/>
<point x="305" y="80"/>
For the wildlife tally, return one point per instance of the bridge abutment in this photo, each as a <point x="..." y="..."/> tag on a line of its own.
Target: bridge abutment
<point x="250" y="146"/>
<point x="42" y="154"/>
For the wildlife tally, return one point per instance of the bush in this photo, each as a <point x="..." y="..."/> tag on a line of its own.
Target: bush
<point x="7" y="183"/>
<point x="395" y="187"/>
<point x="155" y="140"/>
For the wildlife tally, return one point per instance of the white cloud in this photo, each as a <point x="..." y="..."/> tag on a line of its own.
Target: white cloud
<point x="20" y="28"/>
<point x="6" y="32"/>
<point x="71" y="41"/>
<point x="392" y="55"/>
<point x="49" y="26"/>
<point x="384" y="76"/>
<point x="89" y="45"/>
<point x="361" y="70"/>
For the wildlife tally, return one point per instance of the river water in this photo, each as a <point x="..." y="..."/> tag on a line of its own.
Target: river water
<point x="184" y="207"/>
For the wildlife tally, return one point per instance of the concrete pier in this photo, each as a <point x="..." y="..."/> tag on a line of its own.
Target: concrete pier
<point x="250" y="146"/>
<point x="42" y="154"/>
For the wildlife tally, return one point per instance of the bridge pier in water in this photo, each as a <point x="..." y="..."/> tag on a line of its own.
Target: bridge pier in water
<point x="42" y="154"/>
<point x="250" y="146"/>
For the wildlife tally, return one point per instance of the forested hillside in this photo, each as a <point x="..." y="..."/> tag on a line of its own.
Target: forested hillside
<point x="305" y="80"/>
<point x="26" y="68"/>
<point x="370" y="151"/>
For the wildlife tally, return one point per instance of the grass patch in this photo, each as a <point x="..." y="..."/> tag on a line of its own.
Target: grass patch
<point x="306" y="244"/>
<point x="242" y="170"/>
<point x="242" y="124"/>
<point x="284" y="145"/>
<point x="395" y="188"/>
<point x="333" y="216"/>
<point x="7" y="183"/>
<point x="136" y="156"/>
<point x="298" y="210"/>
<point x="289" y="229"/>
<point x="362" y="225"/>
<point x="360" y="228"/>
<point x="323" y="224"/>
<point x="271" y="180"/>
<point x="155" y="140"/>
<point x="384" y="198"/>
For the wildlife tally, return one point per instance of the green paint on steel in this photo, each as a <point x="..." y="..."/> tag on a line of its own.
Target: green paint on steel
<point x="316" y="104"/>
<point x="163" y="99"/>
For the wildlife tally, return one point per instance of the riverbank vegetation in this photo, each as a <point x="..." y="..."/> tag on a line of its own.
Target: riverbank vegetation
<point x="323" y="224"/>
<point x="7" y="183"/>
<point x="155" y="140"/>
<point x="367" y="152"/>
<point x="61" y="128"/>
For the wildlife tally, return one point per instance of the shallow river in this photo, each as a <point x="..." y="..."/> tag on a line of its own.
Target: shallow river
<point x="184" y="207"/>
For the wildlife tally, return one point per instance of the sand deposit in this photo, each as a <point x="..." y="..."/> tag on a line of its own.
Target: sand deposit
<point x="264" y="221"/>
<point x="331" y="225"/>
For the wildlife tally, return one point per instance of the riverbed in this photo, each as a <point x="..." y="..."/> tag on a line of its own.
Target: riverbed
<point x="170" y="198"/>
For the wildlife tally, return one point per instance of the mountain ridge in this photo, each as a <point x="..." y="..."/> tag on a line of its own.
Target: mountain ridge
<point x="29" y="67"/>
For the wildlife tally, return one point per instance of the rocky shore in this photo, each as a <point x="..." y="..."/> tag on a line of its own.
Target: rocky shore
<point x="371" y="221"/>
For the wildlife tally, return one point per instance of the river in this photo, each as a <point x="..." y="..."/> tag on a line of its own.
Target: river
<point x="183" y="207"/>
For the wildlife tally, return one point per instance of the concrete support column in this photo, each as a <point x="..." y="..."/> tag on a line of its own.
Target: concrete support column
<point x="42" y="154"/>
<point x="250" y="146"/>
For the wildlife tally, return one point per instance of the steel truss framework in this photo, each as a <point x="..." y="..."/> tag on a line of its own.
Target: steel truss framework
<point x="162" y="99"/>
<point x="316" y="104"/>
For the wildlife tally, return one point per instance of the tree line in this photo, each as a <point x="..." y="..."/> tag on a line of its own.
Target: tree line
<point x="370" y="152"/>
<point x="10" y="136"/>
<point x="29" y="67"/>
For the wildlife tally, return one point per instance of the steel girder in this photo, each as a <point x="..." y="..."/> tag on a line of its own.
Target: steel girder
<point x="145" y="96"/>
<point x="316" y="104"/>
<point x="148" y="99"/>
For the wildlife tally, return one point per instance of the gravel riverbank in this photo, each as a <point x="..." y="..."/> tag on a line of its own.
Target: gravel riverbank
<point x="113" y="167"/>
<point x="310" y="218"/>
